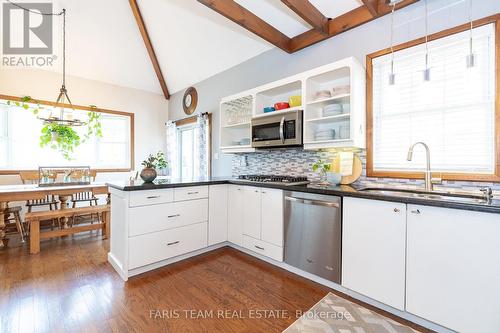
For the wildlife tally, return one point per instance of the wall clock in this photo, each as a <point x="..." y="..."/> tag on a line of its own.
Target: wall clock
<point x="190" y="100"/>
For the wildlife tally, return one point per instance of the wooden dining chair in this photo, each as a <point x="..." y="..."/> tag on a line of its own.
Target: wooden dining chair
<point x="86" y="196"/>
<point x="12" y="220"/>
<point x="32" y="177"/>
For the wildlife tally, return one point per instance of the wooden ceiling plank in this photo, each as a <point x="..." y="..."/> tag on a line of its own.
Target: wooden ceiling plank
<point x="309" y="13"/>
<point x="245" y="18"/>
<point x="372" y="6"/>
<point x="342" y="23"/>
<point x="149" y="46"/>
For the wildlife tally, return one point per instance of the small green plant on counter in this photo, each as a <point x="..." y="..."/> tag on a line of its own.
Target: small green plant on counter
<point x="157" y="161"/>
<point x="322" y="166"/>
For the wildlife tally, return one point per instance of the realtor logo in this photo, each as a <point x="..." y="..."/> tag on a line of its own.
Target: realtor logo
<point x="26" y="31"/>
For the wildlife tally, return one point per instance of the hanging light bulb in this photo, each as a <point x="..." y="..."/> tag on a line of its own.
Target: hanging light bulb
<point x="392" y="76"/>
<point x="470" y="59"/>
<point x="427" y="70"/>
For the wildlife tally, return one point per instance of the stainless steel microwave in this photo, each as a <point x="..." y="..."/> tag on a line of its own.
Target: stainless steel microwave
<point x="277" y="130"/>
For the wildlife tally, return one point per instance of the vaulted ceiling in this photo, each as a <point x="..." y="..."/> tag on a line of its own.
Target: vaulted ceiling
<point x="194" y="39"/>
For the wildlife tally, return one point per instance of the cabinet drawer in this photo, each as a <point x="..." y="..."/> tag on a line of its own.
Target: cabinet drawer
<point x="150" y="197"/>
<point x="148" y="219"/>
<point x="154" y="247"/>
<point x="261" y="247"/>
<point x="190" y="193"/>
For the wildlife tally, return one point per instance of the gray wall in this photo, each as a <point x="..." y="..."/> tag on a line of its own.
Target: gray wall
<point x="276" y="64"/>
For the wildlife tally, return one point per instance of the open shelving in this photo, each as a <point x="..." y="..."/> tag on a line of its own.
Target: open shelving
<point x="346" y="81"/>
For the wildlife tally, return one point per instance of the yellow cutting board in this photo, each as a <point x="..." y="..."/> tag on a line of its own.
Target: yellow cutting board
<point x="357" y="170"/>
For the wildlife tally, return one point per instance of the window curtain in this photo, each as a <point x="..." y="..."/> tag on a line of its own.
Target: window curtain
<point x="201" y="146"/>
<point x="172" y="150"/>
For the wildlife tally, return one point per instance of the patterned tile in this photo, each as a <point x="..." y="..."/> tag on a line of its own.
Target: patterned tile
<point x="336" y="314"/>
<point x="298" y="162"/>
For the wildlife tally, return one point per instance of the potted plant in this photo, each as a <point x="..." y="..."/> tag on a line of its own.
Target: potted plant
<point x="323" y="168"/>
<point x="153" y="162"/>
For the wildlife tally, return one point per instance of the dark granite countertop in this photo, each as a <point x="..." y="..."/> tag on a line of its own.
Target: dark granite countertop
<point x="342" y="191"/>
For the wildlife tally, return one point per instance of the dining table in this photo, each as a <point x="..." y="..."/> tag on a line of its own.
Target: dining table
<point x="12" y="193"/>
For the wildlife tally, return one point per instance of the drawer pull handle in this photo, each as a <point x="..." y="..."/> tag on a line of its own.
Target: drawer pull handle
<point x="310" y="261"/>
<point x="173" y="243"/>
<point x="153" y="197"/>
<point x="172" y="216"/>
<point x="329" y="268"/>
<point x="189" y="193"/>
<point x="417" y="211"/>
<point x="396" y="210"/>
<point x="259" y="247"/>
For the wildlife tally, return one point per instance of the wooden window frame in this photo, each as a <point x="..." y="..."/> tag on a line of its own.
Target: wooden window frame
<point x="370" y="172"/>
<point x="83" y="108"/>
<point x="192" y="120"/>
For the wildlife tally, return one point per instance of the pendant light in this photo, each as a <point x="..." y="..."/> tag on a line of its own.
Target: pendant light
<point x="392" y="76"/>
<point x="427" y="70"/>
<point x="60" y="114"/>
<point x="471" y="58"/>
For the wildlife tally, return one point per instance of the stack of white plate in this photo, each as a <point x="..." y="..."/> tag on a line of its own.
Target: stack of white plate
<point x="332" y="110"/>
<point x="324" y="135"/>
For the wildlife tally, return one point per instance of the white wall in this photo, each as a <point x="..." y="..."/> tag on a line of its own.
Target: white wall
<point x="150" y="109"/>
<point x="368" y="38"/>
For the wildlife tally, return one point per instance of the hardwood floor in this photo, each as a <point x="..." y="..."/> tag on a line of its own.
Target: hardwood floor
<point x="70" y="287"/>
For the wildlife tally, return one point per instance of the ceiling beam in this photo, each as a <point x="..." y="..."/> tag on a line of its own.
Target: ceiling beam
<point x="245" y="18"/>
<point x="342" y="23"/>
<point x="149" y="46"/>
<point x="309" y="13"/>
<point x="372" y="6"/>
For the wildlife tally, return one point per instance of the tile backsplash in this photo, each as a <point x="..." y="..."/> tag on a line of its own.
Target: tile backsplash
<point x="298" y="162"/>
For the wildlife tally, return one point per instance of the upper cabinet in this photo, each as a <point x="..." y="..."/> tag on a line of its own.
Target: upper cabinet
<point x="235" y="128"/>
<point x="334" y="113"/>
<point x="332" y="98"/>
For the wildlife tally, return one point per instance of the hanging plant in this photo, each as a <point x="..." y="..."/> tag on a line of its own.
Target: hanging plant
<point x="60" y="136"/>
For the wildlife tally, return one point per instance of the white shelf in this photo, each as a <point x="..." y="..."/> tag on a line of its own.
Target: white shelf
<point x="327" y="141"/>
<point x="295" y="108"/>
<point x="329" y="99"/>
<point x="238" y="125"/>
<point x="330" y="119"/>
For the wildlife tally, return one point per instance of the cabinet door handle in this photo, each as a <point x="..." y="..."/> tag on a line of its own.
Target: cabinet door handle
<point x="189" y="193"/>
<point x="172" y="216"/>
<point x="153" y="197"/>
<point x="256" y="191"/>
<point x="417" y="211"/>
<point x="397" y="210"/>
<point x="173" y="243"/>
<point x="259" y="247"/>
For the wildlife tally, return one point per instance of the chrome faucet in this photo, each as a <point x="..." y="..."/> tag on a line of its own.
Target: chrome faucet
<point x="428" y="175"/>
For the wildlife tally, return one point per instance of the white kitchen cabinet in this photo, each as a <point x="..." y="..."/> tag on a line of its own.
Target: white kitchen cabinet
<point x="235" y="215"/>
<point x="272" y="216"/>
<point x="263" y="221"/>
<point x="453" y="268"/>
<point x="373" y="249"/>
<point x="252" y="210"/>
<point x="217" y="213"/>
<point x="149" y="228"/>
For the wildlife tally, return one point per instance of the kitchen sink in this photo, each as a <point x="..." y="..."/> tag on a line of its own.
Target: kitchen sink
<point x="429" y="195"/>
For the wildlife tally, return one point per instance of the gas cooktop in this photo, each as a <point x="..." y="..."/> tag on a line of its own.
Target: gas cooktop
<point x="274" y="179"/>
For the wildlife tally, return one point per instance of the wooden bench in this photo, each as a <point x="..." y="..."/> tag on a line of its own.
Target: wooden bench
<point x="34" y="218"/>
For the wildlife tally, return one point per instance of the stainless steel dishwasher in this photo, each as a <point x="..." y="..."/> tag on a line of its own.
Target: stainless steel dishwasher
<point x="313" y="233"/>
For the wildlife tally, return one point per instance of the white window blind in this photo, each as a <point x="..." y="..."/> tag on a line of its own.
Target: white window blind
<point x="20" y="149"/>
<point x="454" y="112"/>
